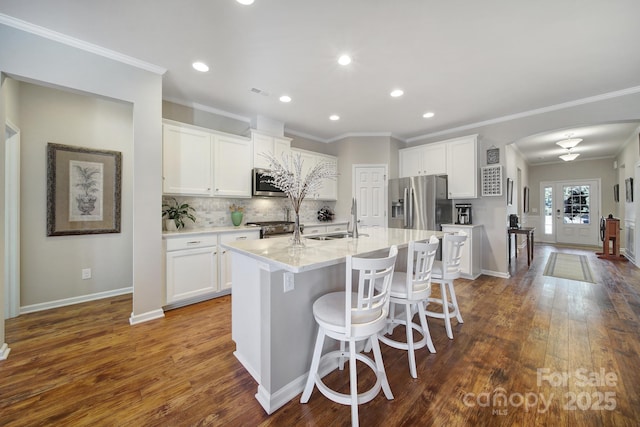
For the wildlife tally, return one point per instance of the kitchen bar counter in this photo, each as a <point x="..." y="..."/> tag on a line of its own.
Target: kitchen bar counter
<point x="273" y="291"/>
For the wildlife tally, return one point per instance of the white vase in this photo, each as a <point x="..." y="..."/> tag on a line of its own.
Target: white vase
<point x="170" y="225"/>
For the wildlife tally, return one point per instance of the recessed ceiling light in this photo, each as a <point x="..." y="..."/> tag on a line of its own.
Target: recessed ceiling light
<point x="285" y="98"/>
<point x="428" y="115"/>
<point x="200" y="66"/>
<point x="344" y="60"/>
<point x="334" y="117"/>
<point x="245" y="2"/>
<point x="397" y="92"/>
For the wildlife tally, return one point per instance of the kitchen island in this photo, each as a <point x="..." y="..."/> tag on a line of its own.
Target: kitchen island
<point x="273" y="290"/>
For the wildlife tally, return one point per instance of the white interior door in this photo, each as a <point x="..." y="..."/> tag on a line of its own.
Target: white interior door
<point x="577" y="212"/>
<point x="370" y="191"/>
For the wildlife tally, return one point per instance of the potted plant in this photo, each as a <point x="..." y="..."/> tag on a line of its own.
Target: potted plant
<point x="176" y="214"/>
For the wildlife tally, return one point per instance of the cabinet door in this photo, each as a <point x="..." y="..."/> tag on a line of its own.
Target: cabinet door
<point x="434" y="159"/>
<point x="261" y="144"/>
<point x="186" y="161"/>
<point x="411" y="162"/>
<point x="329" y="188"/>
<point x="314" y="229"/>
<point x="462" y="168"/>
<point x="281" y="146"/>
<point x="232" y="167"/>
<point x="191" y="273"/>
<point x="225" y="255"/>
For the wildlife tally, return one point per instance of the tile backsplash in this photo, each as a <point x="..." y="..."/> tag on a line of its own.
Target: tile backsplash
<point x="214" y="212"/>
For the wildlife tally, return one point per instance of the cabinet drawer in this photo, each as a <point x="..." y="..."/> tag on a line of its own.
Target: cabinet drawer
<point x="336" y="227"/>
<point x="191" y="242"/>
<point x="242" y="235"/>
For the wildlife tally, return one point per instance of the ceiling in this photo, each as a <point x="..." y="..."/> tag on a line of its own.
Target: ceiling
<point x="467" y="62"/>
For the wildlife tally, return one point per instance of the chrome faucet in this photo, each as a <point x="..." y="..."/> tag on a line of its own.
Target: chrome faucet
<point x="353" y="226"/>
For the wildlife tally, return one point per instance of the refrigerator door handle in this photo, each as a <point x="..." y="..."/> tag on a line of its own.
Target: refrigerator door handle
<point x="411" y="209"/>
<point x="406" y="207"/>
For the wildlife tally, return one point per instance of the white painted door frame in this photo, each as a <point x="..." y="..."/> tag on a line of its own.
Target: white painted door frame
<point x="354" y="187"/>
<point x="12" y="221"/>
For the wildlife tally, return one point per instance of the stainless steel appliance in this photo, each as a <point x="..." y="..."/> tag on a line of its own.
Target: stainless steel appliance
<point x="463" y="213"/>
<point x="273" y="228"/>
<point x="419" y="202"/>
<point x="261" y="187"/>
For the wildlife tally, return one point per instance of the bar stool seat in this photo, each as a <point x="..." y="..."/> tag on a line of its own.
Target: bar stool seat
<point x="357" y="314"/>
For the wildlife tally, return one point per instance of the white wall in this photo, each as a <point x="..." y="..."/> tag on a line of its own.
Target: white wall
<point x="29" y="57"/>
<point x="51" y="266"/>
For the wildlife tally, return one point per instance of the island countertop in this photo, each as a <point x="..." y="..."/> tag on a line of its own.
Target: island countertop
<point x="279" y="254"/>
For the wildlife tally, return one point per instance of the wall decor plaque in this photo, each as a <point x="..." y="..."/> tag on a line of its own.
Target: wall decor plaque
<point x="493" y="155"/>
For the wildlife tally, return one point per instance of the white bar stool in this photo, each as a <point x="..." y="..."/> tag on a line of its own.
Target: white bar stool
<point x="357" y="314"/>
<point x="412" y="289"/>
<point x="445" y="272"/>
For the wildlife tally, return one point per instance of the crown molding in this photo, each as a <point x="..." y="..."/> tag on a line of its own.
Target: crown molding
<point x="207" y="109"/>
<point x="79" y="44"/>
<point x="556" y="107"/>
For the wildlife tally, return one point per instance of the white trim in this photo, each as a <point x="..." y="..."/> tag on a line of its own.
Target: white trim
<point x="135" y="319"/>
<point x="12" y="221"/>
<point x="500" y="274"/>
<point x="543" y="110"/>
<point x="79" y="44"/>
<point x="4" y="351"/>
<point x="304" y="135"/>
<point x="365" y="134"/>
<point x="74" y="300"/>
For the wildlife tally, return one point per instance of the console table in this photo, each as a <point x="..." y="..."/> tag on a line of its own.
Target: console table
<point x="528" y="231"/>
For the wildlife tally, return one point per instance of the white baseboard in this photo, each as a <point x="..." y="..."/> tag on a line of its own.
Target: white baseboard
<point x="74" y="300"/>
<point x="496" y="274"/>
<point x="4" y="351"/>
<point x="145" y="317"/>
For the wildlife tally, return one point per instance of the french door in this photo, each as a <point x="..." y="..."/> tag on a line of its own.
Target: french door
<point x="571" y="211"/>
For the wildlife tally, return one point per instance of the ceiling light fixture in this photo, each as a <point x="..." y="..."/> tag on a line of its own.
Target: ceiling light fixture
<point x="569" y="142"/>
<point x="397" y="92"/>
<point x="200" y="66"/>
<point x="569" y="156"/>
<point x="334" y="117"/>
<point x="428" y="115"/>
<point x="285" y="98"/>
<point x="344" y="60"/>
<point x="245" y="2"/>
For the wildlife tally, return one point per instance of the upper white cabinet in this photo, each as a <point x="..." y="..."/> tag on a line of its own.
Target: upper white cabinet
<point x="457" y="158"/>
<point x="186" y="161"/>
<point x="263" y="143"/>
<point x="232" y="166"/>
<point x="201" y="162"/>
<point x="329" y="188"/>
<point x="462" y="167"/>
<point x="430" y="159"/>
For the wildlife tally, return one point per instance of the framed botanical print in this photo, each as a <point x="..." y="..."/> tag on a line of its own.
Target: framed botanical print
<point x="84" y="190"/>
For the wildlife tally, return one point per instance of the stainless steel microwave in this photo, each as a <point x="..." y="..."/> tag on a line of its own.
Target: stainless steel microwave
<point x="261" y="187"/>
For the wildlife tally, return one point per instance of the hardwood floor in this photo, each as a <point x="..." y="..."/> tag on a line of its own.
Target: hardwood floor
<point x="85" y="365"/>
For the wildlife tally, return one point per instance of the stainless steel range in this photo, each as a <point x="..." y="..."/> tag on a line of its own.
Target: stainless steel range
<point x="273" y="228"/>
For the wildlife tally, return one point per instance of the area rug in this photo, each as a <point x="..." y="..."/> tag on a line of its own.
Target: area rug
<point x="568" y="266"/>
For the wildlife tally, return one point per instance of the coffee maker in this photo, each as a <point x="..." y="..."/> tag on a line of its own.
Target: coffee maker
<point x="463" y="213"/>
<point x="513" y="221"/>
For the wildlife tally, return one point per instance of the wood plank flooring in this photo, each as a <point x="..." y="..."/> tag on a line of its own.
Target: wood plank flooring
<point x="85" y="365"/>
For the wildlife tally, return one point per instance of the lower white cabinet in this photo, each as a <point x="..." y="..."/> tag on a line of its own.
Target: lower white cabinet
<point x="470" y="263"/>
<point x="310" y="230"/>
<point x="197" y="268"/>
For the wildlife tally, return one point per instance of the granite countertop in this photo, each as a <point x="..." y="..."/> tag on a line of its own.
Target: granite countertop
<point x="278" y="254"/>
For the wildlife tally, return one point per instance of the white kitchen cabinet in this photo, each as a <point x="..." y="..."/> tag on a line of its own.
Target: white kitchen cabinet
<point x="462" y="167"/>
<point x="263" y="143"/>
<point x="186" y="161"/>
<point x="191" y="267"/>
<point x="329" y="188"/>
<point x="225" y="255"/>
<point x="338" y="227"/>
<point x="429" y="159"/>
<point x="470" y="262"/>
<point x="310" y="230"/>
<point x="232" y="166"/>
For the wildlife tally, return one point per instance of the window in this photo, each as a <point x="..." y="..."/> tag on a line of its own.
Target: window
<point x="576" y="204"/>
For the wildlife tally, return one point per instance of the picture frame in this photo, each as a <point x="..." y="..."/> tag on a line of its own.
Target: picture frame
<point x="84" y="190"/>
<point x="616" y="193"/>
<point x="628" y="187"/>
<point x="493" y="155"/>
<point x="509" y="191"/>
<point x="525" y="208"/>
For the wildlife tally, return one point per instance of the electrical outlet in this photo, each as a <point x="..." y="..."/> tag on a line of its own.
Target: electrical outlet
<point x="288" y="281"/>
<point x="86" y="273"/>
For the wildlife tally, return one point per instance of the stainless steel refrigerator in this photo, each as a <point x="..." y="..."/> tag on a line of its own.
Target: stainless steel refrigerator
<point x="419" y="202"/>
